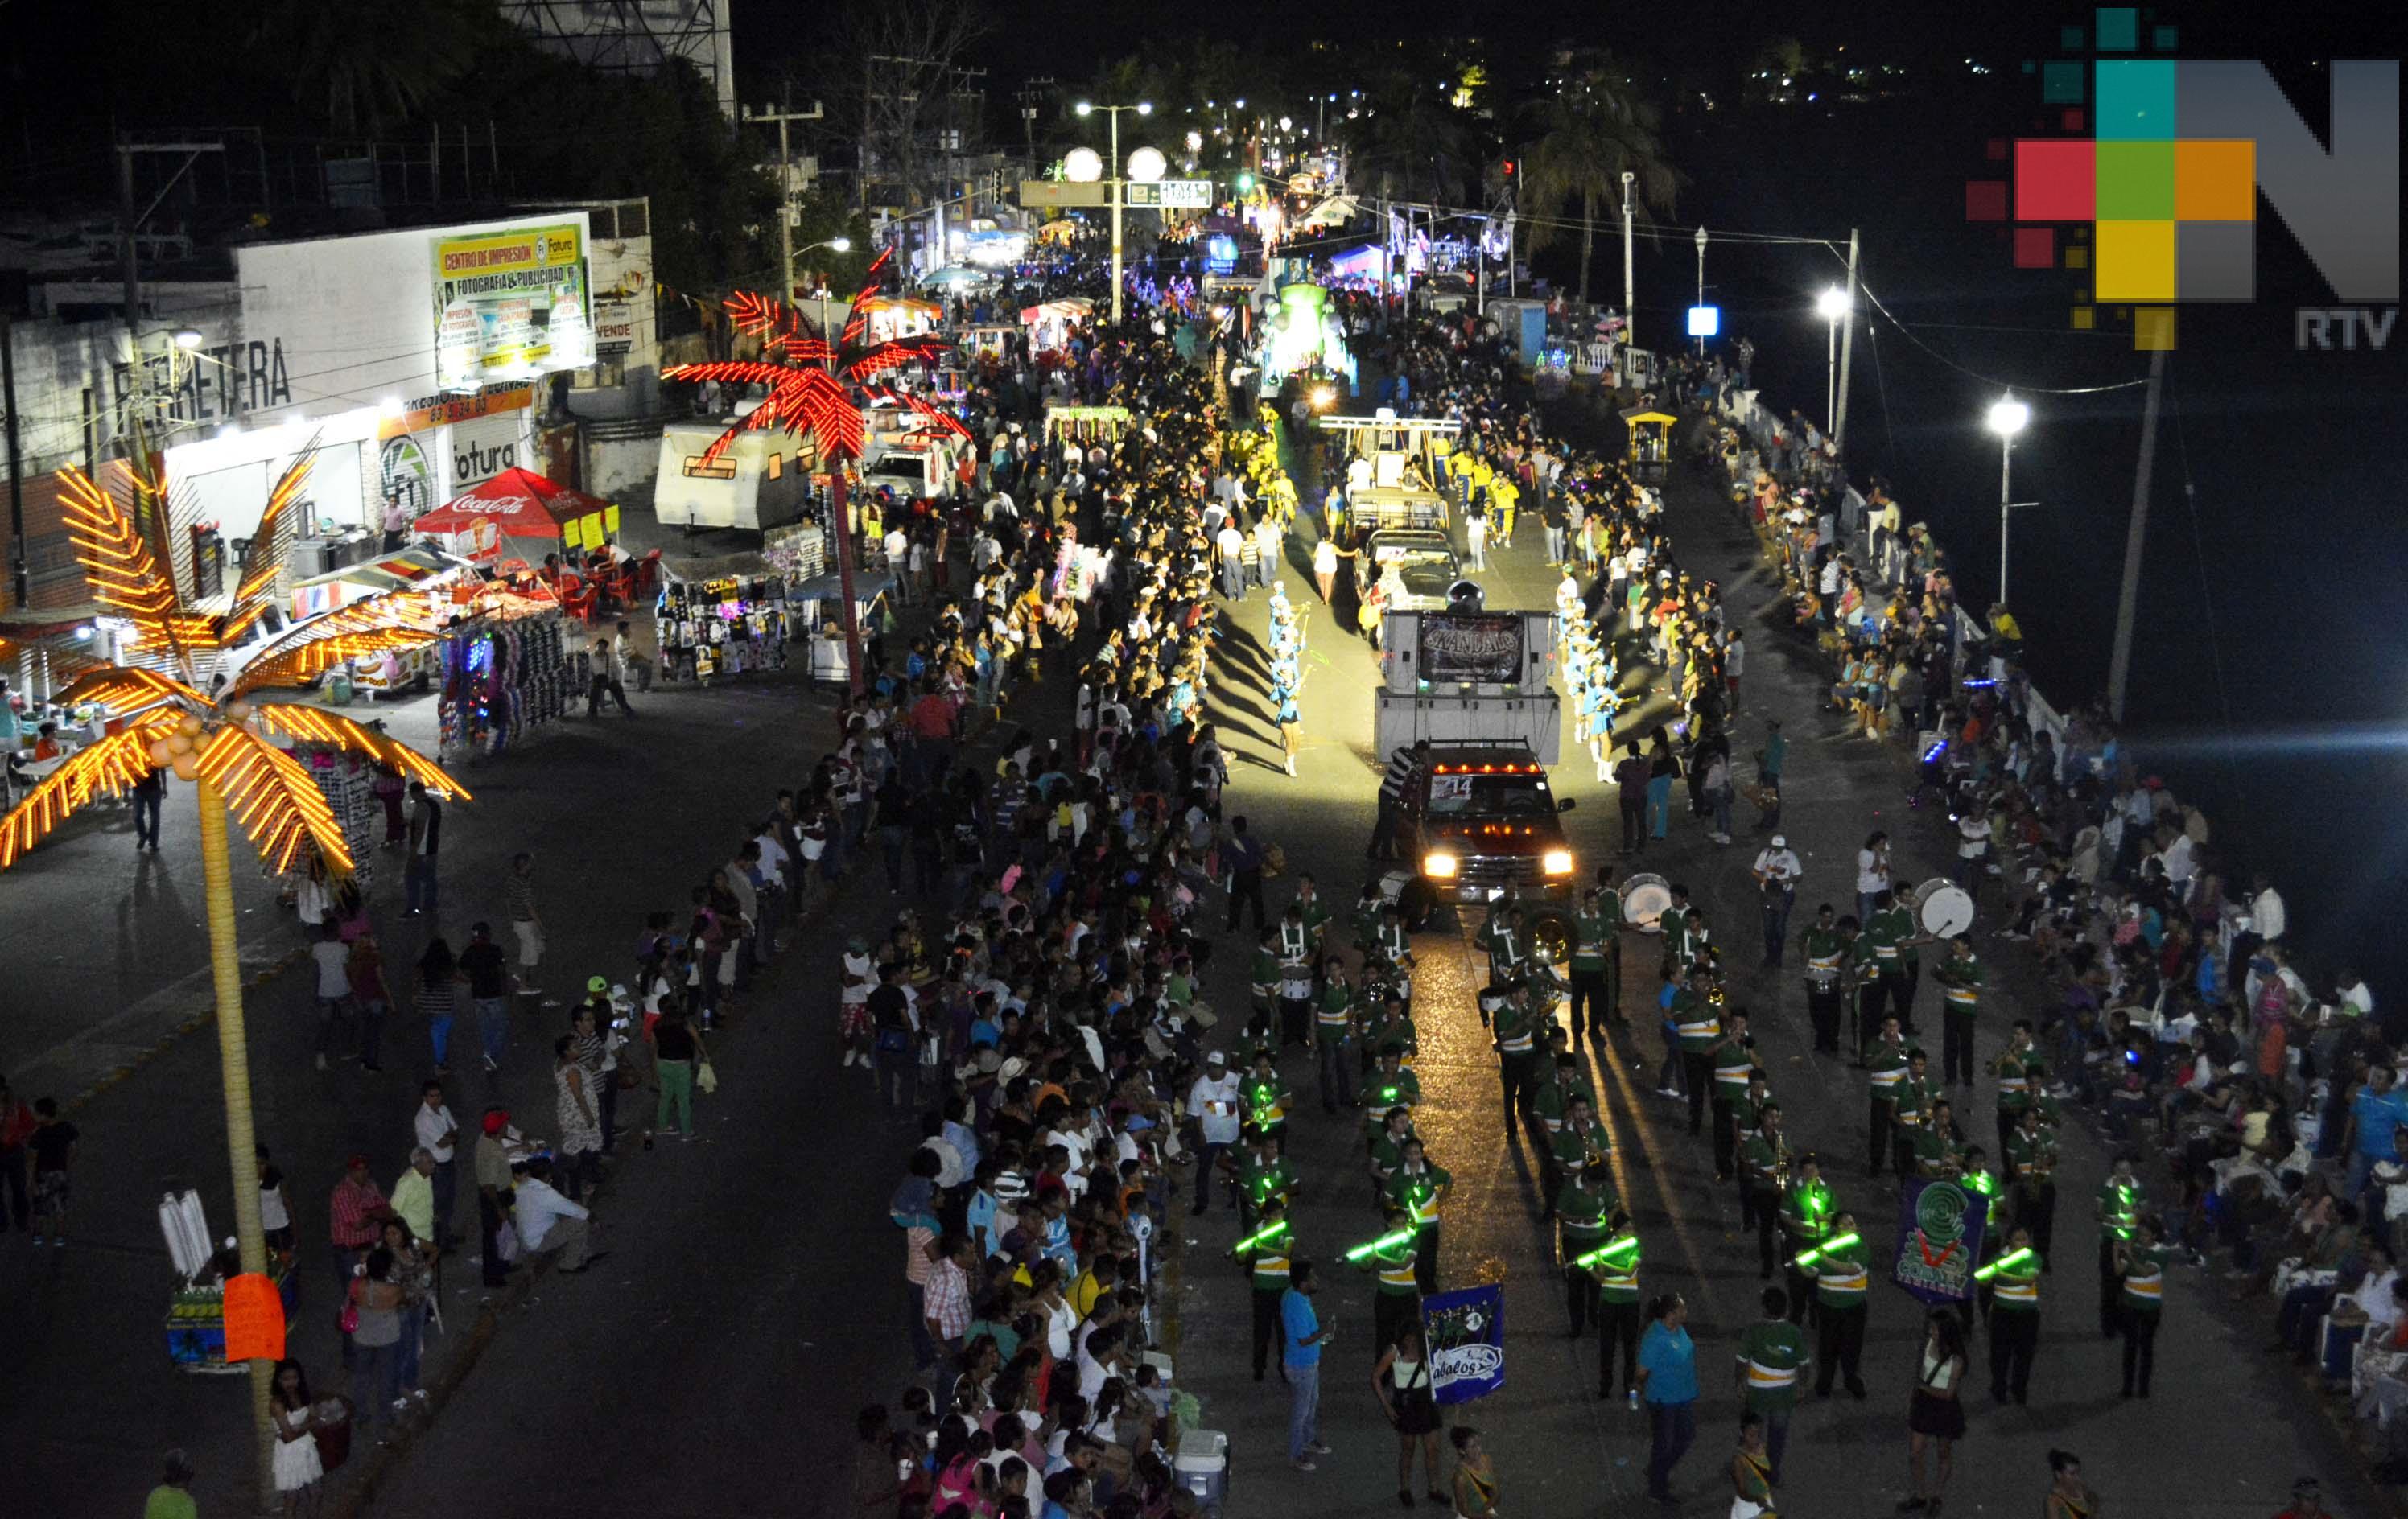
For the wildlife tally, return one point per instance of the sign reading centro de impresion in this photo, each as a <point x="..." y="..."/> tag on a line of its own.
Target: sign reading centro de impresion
<point x="510" y="304"/>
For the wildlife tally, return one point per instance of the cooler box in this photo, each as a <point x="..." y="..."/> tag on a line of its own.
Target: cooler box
<point x="1203" y="1465"/>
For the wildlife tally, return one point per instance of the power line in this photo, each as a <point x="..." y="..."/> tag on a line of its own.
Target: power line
<point x="1991" y="381"/>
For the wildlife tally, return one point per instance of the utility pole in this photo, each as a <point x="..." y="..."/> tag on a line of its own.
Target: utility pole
<point x="785" y="114"/>
<point x="2119" y="666"/>
<point x="18" y="575"/>
<point x="1701" y="285"/>
<point x="1629" y="286"/>
<point x="1847" y="351"/>
<point x="1031" y="96"/>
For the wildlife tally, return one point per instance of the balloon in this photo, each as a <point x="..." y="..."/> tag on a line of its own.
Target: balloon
<point x="187" y="766"/>
<point x="190" y="727"/>
<point x="159" y="752"/>
<point x="179" y="743"/>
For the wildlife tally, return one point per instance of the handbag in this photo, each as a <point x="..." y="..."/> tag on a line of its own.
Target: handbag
<point x="706" y="1079"/>
<point x="347" y="1321"/>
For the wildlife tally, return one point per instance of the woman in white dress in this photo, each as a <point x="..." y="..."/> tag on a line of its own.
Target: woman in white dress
<point x="299" y="1475"/>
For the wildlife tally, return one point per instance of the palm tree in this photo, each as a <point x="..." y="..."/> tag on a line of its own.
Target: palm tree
<point x="223" y="743"/>
<point x="372" y="62"/>
<point x="1596" y="125"/>
<point x="1415" y="140"/>
<point x="810" y="384"/>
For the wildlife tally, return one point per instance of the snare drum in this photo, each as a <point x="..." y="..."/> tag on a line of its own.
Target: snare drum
<point x="1942" y="909"/>
<point x="1644" y="898"/>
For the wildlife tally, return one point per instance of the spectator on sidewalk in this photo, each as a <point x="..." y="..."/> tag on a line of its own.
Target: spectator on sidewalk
<point x="548" y="1223"/>
<point x="488" y="976"/>
<point x="17" y="1122"/>
<point x="173" y="1498"/>
<point x="495" y="1194"/>
<point x="333" y="958"/>
<point x="54" y="1143"/>
<point x="436" y="1129"/>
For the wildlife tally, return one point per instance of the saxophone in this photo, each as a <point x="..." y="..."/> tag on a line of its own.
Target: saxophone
<point x="1780" y="1168"/>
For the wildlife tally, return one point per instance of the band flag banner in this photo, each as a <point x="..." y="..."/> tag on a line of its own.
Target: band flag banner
<point x="1465" y="1330"/>
<point x="1940" y="1232"/>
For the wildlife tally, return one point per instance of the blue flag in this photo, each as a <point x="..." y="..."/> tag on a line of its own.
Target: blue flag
<point x="1941" y="1226"/>
<point x="1466" y="1332"/>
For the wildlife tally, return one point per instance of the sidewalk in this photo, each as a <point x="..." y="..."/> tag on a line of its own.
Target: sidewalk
<point x="622" y="817"/>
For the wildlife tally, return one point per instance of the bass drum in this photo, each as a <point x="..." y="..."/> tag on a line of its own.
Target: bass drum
<point x="1644" y="898"/>
<point x="1942" y="909"/>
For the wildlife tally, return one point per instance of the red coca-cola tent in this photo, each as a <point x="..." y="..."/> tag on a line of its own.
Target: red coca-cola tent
<point x="517" y="504"/>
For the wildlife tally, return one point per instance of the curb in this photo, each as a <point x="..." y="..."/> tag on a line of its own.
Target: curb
<point x="203" y="1019"/>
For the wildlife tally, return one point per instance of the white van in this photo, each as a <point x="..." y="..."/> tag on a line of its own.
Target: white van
<point x="761" y="480"/>
<point x="917" y="468"/>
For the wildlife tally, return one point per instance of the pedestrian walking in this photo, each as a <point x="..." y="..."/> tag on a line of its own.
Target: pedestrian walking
<point x="149" y="790"/>
<point x="369" y="998"/>
<point x="439" y="982"/>
<point x="419" y="884"/>
<point x="607" y="679"/>
<point x="1668" y="1385"/>
<point x="1936" y="1415"/>
<point x="54" y="1143"/>
<point x="488" y="976"/>
<point x="1302" y="1335"/>
<point x="333" y="958"/>
<point x="1401" y="1381"/>
<point x="1631" y="778"/>
<point x="526" y="926"/>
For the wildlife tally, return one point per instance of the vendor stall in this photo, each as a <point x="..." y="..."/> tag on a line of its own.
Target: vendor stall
<point x="887" y="318"/>
<point x="510" y="665"/>
<point x="721" y="615"/>
<point x="195" y="1321"/>
<point x="1049" y="323"/>
<point x="1651" y="441"/>
<point x="1086" y="423"/>
<point x="817" y="604"/>
<point x="420" y="568"/>
<point x="519" y="514"/>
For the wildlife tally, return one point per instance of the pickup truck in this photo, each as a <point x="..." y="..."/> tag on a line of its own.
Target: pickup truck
<point x="1480" y="817"/>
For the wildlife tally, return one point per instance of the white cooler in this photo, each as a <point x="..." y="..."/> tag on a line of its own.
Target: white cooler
<point x="1203" y="1465"/>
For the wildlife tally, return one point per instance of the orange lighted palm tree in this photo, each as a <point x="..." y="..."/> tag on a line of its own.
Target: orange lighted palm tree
<point x="810" y="379"/>
<point x="170" y="723"/>
<point x="225" y="742"/>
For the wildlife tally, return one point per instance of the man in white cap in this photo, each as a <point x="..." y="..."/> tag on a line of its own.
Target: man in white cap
<point x="1777" y="870"/>
<point x="1214" y="1102"/>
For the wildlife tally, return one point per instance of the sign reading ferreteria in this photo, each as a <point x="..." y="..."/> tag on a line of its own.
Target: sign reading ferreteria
<point x="1485" y="648"/>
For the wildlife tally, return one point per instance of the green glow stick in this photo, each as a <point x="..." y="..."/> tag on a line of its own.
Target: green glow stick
<point x="1400" y="1236"/>
<point x="1605" y="1252"/>
<point x="2012" y="1258"/>
<point x="1259" y="1237"/>
<point x="1811" y="1256"/>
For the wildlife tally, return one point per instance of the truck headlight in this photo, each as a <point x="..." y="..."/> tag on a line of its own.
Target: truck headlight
<point x="1558" y="862"/>
<point x="1440" y="865"/>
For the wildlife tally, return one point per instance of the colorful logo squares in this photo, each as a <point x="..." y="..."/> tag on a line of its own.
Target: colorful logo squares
<point x="2175" y="219"/>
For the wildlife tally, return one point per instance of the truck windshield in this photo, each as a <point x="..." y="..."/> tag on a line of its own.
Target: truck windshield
<point x="1490" y="796"/>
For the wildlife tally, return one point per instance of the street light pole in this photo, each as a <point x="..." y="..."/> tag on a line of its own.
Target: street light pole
<point x="1847" y="351"/>
<point x="1629" y="299"/>
<point x="1702" y="285"/>
<point x="1833" y="306"/>
<point x="1118" y="194"/>
<point x="2119" y="666"/>
<point x="2007" y="418"/>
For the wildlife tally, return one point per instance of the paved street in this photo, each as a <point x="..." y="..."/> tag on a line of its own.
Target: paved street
<point x="751" y="1299"/>
<point x="1559" y="1451"/>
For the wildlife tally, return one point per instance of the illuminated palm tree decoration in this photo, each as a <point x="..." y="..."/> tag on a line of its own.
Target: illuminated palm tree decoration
<point x="810" y="384"/>
<point x="226" y="744"/>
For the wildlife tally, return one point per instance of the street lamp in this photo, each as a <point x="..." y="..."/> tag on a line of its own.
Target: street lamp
<point x="834" y="245"/>
<point x="1833" y="307"/>
<point x="1701" y="285"/>
<point x="1116" y="184"/>
<point x="2008" y="417"/>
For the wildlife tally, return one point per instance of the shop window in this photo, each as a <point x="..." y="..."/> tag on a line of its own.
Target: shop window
<point x="722" y="467"/>
<point x="777" y="466"/>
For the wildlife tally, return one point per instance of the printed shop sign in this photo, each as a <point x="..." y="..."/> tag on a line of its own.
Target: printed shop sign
<point x="510" y="304"/>
<point x="1465" y="1330"/>
<point x="1939" y="1230"/>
